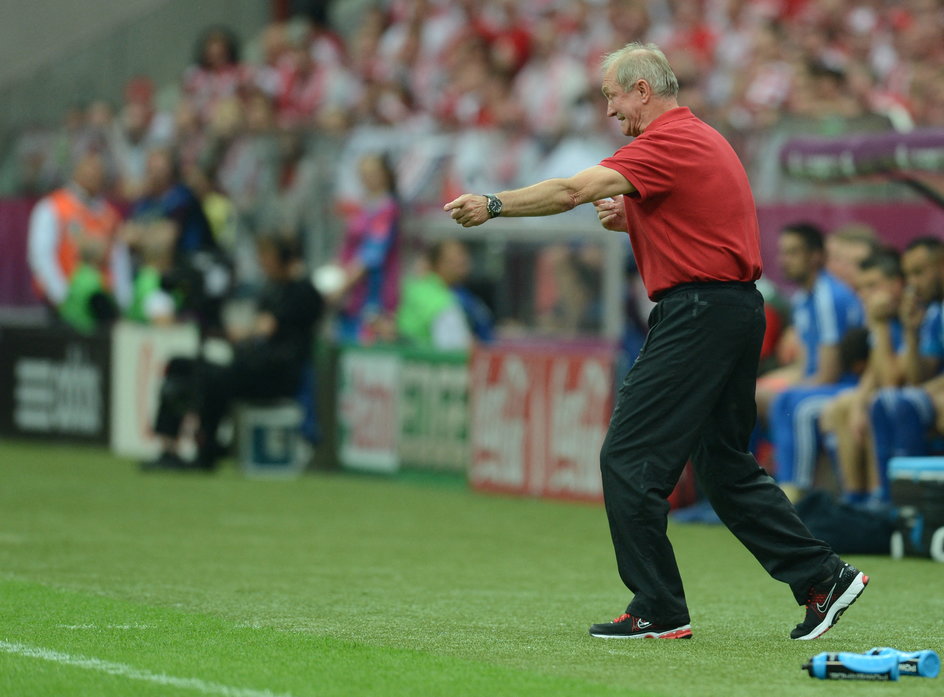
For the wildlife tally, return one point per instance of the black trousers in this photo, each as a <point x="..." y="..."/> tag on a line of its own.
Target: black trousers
<point x="690" y="394"/>
<point x="210" y="389"/>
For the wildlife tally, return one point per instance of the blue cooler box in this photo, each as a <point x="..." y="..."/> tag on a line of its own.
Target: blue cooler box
<point x="917" y="488"/>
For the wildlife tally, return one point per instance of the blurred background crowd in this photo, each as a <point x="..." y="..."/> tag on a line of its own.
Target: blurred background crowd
<point x="268" y="130"/>
<point x="334" y="131"/>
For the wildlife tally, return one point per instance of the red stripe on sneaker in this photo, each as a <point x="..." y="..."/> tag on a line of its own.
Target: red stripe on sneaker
<point x="683" y="633"/>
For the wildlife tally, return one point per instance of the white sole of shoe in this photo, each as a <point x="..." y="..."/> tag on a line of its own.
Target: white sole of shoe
<point x="683" y="632"/>
<point x="851" y="594"/>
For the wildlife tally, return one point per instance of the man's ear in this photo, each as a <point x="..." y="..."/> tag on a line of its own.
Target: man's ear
<point x="644" y="89"/>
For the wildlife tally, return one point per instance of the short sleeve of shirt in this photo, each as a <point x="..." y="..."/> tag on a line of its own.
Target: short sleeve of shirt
<point x="932" y="328"/>
<point x="645" y="165"/>
<point x="829" y="315"/>
<point x="837" y="310"/>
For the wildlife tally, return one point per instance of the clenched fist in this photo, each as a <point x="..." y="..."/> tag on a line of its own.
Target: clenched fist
<point x="468" y="210"/>
<point x="611" y="213"/>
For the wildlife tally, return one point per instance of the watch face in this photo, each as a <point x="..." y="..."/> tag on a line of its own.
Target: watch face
<point x="494" y="206"/>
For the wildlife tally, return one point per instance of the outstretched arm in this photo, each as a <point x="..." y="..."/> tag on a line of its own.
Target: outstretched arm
<point x="548" y="197"/>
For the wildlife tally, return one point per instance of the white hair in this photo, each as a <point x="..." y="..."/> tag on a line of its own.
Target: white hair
<point x="638" y="61"/>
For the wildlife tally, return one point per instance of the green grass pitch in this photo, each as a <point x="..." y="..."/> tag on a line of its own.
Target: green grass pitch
<point x="117" y="583"/>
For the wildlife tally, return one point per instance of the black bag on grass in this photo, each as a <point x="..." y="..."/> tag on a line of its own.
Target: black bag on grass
<point x="847" y="528"/>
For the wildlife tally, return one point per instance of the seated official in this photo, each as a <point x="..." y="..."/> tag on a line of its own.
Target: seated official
<point x="268" y="361"/>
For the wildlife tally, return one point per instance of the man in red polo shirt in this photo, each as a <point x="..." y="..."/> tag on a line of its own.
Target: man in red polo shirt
<point x="681" y="193"/>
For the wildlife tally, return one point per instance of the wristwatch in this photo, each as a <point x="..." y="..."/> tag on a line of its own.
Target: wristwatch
<point x="493" y="204"/>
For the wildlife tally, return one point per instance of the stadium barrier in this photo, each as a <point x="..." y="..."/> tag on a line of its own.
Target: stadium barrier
<point x="539" y="416"/>
<point x="55" y="385"/>
<point x="399" y="407"/>
<point x="140" y="354"/>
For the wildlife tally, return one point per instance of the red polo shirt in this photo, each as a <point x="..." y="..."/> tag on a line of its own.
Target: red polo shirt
<point x="692" y="217"/>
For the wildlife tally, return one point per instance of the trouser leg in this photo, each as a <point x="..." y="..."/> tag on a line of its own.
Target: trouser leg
<point x="745" y="497"/>
<point x="218" y="386"/>
<point x="176" y="397"/>
<point x="660" y="408"/>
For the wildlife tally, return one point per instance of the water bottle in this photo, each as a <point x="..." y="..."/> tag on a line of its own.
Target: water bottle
<point x="853" y="666"/>
<point x="922" y="664"/>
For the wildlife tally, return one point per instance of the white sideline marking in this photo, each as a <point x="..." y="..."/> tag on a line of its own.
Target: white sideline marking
<point x="106" y="626"/>
<point x="132" y="673"/>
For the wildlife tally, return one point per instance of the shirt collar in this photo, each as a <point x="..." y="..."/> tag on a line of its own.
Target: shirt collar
<point x="670" y="116"/>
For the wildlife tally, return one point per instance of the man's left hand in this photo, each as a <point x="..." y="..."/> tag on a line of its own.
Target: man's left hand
<point x="468" y="210"/>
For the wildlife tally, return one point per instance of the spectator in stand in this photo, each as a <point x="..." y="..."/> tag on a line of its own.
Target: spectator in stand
<point x="200" y="272"/>
<point x="823" y="93"/>
<point x="845" y="418"/>
<point x="64" y="148"/>
<point x="190" y="141"/>
<point x="369" y="255"/>
<point x="430" y="314"/>
<point x="687" y="31"/>
<point x="216" y="72"/>
<point x="498" y="157"/>
<point x="166" y="196"/>
<point x="217" y="207"/>
<point x="461" y="103"/>
<point x="550" y="85"/>
<point x="509" y="41"/>
<point x="267" y="76"/>
<point x="309" y="85"/>
<point x="245" y="151"/>
<point x="77" y="259"/>
<point x="141" y="128"/>
<point x="759" y="88"/>
<point x="904" y="420"/>
<point x="268" y="360"/>
<point x="567" y="293"/>
<point x="97" y="134"/>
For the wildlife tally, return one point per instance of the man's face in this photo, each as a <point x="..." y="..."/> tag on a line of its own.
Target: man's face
<point x="796" y="261"/>
<point x="844" y="256"/>
<point x="922" y="269"/>
<point x="453" y="266"/>
<point x="160" y="170"/>
<point x="90" y="174"/>
<point x="626" y="107"/>
<point x="880" y="294"/>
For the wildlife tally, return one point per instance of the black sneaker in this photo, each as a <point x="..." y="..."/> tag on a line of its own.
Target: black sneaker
<point x="172" y="462"/>
<point x="828" y="600"/>
<point x="628" y="627"/>
<point x="164" y="462"/>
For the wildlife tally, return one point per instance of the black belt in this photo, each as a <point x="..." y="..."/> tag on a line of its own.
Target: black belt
<point x="707" y="285"/>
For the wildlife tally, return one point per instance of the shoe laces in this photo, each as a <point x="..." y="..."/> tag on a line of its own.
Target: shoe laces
<point x="623" y="618"/>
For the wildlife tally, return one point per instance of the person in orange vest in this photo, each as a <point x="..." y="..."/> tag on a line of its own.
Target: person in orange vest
<point x="78" y="261"/>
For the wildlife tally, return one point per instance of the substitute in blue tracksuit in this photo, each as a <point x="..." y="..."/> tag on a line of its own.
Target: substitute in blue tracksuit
<point x="824" y="309"/>
<point x="903" y="419"/>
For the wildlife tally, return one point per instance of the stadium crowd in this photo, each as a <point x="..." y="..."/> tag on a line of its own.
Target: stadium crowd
<point x="333" y="137"/>
<point x="506" y="82"/>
